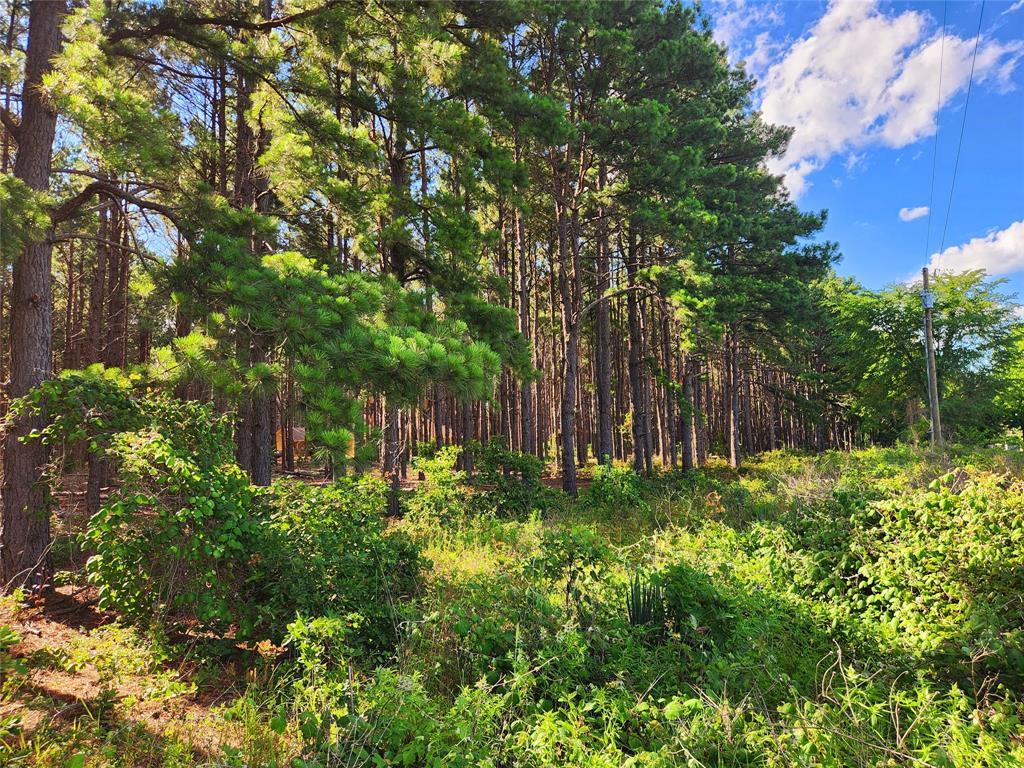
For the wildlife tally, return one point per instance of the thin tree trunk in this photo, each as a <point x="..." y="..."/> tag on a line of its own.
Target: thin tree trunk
<point x="568" y="278"/>
<point x="641" y="417"/>
<point x="689" y="432"/>
<point x="525" y="401"/>
<point x="733" y="399"/>
<point x="603" y="372"/>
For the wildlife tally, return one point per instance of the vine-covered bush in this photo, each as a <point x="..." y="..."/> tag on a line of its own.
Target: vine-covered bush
<point x="184" y="540"/>
<point x="325" y="551"/>
<point x="615" y="489"/>
<point x="511" y="482"/>
<point x="942" y="570"/>
<point x="174" y="539"/>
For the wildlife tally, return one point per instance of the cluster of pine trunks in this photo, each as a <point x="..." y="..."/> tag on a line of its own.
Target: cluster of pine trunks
<point x="766" y="409"/>
<point x="614" y="381"/>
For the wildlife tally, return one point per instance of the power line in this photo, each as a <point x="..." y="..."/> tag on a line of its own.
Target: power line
<point x="935" y="146"/>
<point x="963" y="124"/>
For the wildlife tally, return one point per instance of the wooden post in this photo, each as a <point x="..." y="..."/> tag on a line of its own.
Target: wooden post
<point x="929" y="342"/>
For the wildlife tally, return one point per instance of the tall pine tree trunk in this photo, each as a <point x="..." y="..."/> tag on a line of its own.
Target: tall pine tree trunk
<point x="25" y="521"/>
<point x="689" y="432"/>
<point x="669" y="434"/>
<point x="117" y="291"/>
<point x="468" y="436"/>
<point x="603" y="362"/>
<point x="525" y="401"/>
<point x="255" y="441"/>
<point x="733" y="398"/>
<point x="390" y="464"/>
<point x="261" y="417"/>
<point x="641" y="415"/>
<point x="568" y="275"/>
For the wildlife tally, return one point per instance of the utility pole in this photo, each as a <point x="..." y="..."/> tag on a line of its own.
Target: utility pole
<point x="929" y="344"/>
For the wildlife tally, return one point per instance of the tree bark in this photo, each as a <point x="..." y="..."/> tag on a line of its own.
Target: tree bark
<point x="25" y="522"/>
<point x="641" y="415"/>
<point x="117" y="290"/>
<point x="568" y="288"/>
<point x="603" y="362"/>
<point x="689" y="432"/>
<point x="733" y="398"/>
<point x="525" y="401"/>
<point x="256" y="432"/>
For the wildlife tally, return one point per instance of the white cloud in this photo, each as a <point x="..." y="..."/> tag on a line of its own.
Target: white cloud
<point x="1015" y="7"/>
<point x="1000" y="252"/>
<point x="734" y="20"/>
<point x="853" y="161"/>
<point x="909" y="214"/>
<point x="861" y="77"/>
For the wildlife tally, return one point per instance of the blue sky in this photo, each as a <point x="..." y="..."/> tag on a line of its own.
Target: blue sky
<point x="859" y="81"/>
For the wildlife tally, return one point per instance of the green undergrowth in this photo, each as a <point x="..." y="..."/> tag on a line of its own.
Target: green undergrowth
<point x="857" y="609"/>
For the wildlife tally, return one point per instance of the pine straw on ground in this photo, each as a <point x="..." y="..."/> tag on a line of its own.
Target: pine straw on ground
<point x="83" y="675"/>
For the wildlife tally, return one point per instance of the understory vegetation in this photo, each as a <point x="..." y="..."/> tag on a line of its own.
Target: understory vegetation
<point x="844" y="609"/>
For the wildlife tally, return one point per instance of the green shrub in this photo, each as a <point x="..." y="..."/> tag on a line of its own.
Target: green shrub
<point x="173" y="541"/>
<point x="322" y="645"/>
<point x="10" y="666"/>
<point x="511" y="482"/>
<point x="698" y="611"/>
<point x="617" y="490"/>
<point x="184" y="539"/>
<point x="942" y="571"/>
<point x="476" y="629"/>
<point x="325" y="551"/>
<point x="576" y="558"/>
<point x="440" y="502"/>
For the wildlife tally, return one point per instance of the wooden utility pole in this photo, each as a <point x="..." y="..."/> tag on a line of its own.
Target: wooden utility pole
<point x="929" y="343"/>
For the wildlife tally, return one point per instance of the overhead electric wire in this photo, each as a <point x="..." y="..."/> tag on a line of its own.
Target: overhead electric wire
<point x="935" y="146"/>
<point x="963" y="124"/>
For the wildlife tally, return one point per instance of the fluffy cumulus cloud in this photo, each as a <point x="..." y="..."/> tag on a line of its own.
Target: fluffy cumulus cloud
<point x="1000" y="252"/>
<point x="861" y="77"/>
<point x="909" y="214"/>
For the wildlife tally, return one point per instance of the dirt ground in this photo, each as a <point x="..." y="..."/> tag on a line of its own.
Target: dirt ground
<point x="81" y="667"/>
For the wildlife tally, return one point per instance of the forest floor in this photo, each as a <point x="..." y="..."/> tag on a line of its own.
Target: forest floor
<point x="832" y="616"/>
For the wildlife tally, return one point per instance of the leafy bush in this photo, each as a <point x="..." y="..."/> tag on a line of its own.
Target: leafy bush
<point x="616" y="489"/>
<point x="476" y="629"/>
<point x="173" y="540"/>
<point x="697" y="609"/>
<point x="512" y="482"/>
<point x="942" y="571"/>
<point x="184" y="539"/>
<point x="439" y="503"/>
<point x="576" y="558"/>
<point x="88" y="405"/>
<point x="325" y="552"/>
<point x="9" y="665"/>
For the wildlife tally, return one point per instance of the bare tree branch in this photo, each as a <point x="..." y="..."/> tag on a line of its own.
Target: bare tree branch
<point x="70" y="207"/>
<point x="10" y="123"/>
<point x="166" y="21"/>
<point x="645" y="288"/>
